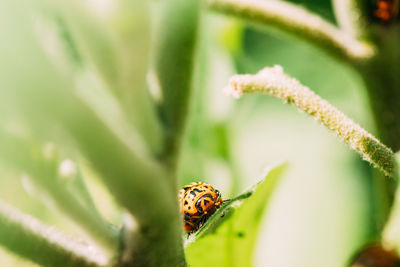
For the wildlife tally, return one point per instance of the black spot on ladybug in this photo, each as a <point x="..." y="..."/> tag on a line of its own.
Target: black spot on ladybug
<point x="197" y="190"/>
<point x="206" y="201"/>
<point x="186" y="202"/>
<point x="240" y="234"/>
<point x="193" y="193"/>
<point x="208" y="196"/>
<point x="199" y="208"/>
<point x="189" y="207"/>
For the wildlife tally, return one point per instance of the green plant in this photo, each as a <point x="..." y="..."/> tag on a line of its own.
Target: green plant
<point x="115" y="96"/>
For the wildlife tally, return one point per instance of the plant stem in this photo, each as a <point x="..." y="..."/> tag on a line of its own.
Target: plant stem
<point x="46" y="246"/>
<point x="147" y="245"/>
<point x="25" y="155"/>
<point x="382" y="79"/>
<point x="173" y="69"/>
<point x="174" y="65"/>
<point x="298" y="22"/>
<point x="276" y="83"/>
<point x="349" y="15"/>
<point x="381" y="75"/>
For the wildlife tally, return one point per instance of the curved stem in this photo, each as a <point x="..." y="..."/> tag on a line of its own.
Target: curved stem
<point x="298" y="22"/>
<point x="349" y="15"/>
<point x="276" y="83"/>
<point x="46" y="246"/>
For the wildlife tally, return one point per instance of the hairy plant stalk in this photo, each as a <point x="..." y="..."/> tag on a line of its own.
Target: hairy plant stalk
<point x="298" y="22"/>
<point x="275" y="82"/>
<point x="382" y="81"/>
<point x="44" y="245"/>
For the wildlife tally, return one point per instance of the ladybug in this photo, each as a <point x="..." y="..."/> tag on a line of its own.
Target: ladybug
<point x="198" y="201"/>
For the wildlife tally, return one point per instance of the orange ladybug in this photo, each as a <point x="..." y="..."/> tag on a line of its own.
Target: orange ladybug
<point x="198" y="201"/>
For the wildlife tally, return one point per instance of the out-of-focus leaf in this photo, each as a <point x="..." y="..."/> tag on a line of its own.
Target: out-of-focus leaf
<point x="229" y="236"/>
<point x="231" y="35"/>
<point x="31" y="85"/>
<point x="116" y="53"/>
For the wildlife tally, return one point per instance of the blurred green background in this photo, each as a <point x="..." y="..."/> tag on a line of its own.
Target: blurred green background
<point x="322" y="211"/>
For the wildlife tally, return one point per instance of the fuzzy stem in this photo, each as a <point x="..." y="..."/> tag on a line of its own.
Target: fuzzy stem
<point x="276" y="83"/>
<point x="46" y="246"/>
<point x="298" y="22"/>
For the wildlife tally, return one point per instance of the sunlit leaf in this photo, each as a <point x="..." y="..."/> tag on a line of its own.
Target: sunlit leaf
<point x="229" y="236"/>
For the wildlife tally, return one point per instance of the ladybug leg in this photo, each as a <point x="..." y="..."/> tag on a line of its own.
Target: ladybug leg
<point x="204" y="219"/>
<point x="225" y="200"/>
<point x="186" y="216"/>
<point x="188" y="226"/>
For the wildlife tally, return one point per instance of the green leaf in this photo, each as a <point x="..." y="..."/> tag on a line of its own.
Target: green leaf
<point x="229" y="236"/>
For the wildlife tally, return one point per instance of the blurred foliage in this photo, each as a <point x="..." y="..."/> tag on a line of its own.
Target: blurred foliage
<point x="321" y="212"/>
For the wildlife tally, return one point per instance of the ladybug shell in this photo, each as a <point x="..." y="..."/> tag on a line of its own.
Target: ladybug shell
<point x="198" y="201"/>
